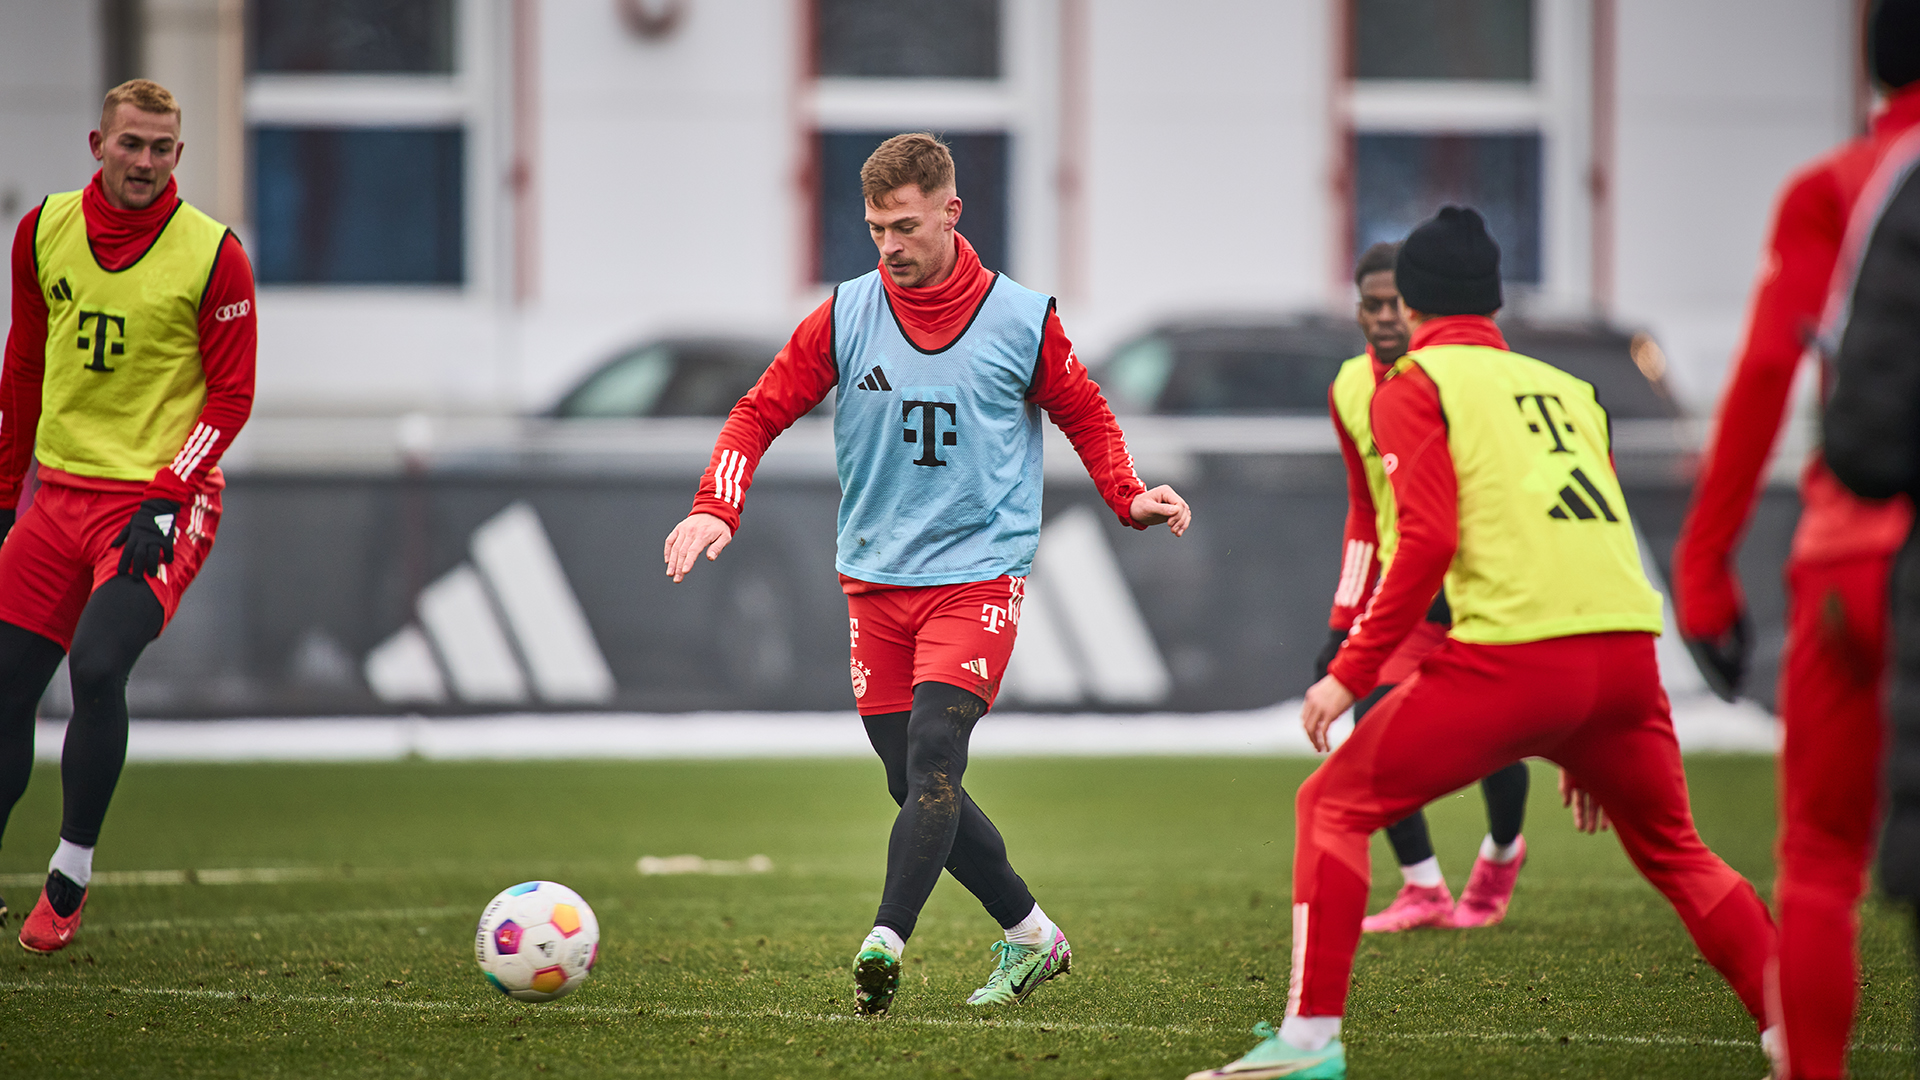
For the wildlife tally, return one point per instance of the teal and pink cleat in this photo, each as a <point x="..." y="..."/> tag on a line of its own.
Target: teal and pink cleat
<point x="1274" y="1057"/>
<point x="1021" y="970"/>
<point x="1416" y="906"/>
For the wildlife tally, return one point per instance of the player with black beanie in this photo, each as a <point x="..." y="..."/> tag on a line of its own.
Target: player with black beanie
<point x="1367" y="547"/>
<point x="1501" y="468"/>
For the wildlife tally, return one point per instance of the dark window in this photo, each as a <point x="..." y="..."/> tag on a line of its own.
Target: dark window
<point x="359" y="205"/>
<point x="909" y="39"/>
<point x="1443" y="39"/>
<point x="1401" y="180"/>
<point x="980" y="176"/>
<point x="352" y="35"/>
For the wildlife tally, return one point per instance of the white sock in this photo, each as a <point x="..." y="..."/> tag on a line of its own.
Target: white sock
<point x="1033" y="931"/>
<point x="74" y="861"/>
<point x="1500" y="853"/>
<point x="1309" y="1032"/>
<point x="892" y="937"/>
<point x="1425" y="874"/>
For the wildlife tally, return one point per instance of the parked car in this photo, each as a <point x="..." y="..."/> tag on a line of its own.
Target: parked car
<point x="687" y="376"/>
<point x="1280" y="367"/>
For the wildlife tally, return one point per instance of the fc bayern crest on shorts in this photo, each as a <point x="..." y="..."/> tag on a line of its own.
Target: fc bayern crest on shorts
<point x="860" y="674"/>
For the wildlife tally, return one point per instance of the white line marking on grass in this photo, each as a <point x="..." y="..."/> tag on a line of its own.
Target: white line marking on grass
<point x="290" y="917"/>
<point x="646" y="1011"/>
<point x="245" y="875"/>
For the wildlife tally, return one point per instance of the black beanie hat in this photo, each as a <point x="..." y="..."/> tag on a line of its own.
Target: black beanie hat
<point x="1449" y="265"/>
<point x="1893" y="42"/>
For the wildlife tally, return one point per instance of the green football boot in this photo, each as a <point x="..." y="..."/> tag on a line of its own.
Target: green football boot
<point x="1021" y="970"/>
<point x="1274" y="1057"/>
<point x="876" y="975"/>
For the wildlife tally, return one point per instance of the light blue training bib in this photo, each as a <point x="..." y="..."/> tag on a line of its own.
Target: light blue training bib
<point x="938" y="452"/>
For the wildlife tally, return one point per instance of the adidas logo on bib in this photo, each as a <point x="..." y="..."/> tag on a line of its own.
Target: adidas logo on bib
<point x="875" y="380"/>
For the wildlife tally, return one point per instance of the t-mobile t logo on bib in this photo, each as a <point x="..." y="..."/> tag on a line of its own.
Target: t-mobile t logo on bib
<point x="932" y="419"/>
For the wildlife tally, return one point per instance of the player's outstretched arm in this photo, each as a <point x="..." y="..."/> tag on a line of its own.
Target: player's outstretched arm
<point x="687" y="538"/>
<point x="1163" y="504"/>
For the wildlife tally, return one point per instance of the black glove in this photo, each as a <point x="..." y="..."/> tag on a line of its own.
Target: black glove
<point x="147" y="541"/>
<point x="1335" y="639"/>
<point x="6" y="523"/>
<point x="1723" y="661"/>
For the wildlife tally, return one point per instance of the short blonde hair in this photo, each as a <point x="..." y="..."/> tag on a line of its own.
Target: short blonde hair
<point x="142" y="94"/>
<point x="919" y="158"/>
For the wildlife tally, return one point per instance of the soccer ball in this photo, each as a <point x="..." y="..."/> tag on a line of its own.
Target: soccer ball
<point x="537" y="941"/>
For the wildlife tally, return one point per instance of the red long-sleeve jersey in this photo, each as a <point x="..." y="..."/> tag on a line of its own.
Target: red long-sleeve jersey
<point x="1360" y="540"/>
<point x="1804" y="242"/>
<point x="228" y="338"/>
<point x="804" y="372"/>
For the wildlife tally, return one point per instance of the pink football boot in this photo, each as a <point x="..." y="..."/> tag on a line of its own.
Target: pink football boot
<point x="1415" y="906"/>
<point x="1484" y="901"/>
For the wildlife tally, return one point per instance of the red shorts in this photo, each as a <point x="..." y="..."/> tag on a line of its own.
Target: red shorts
<point x="62" y="549"/>
<point x="961" y="635"/>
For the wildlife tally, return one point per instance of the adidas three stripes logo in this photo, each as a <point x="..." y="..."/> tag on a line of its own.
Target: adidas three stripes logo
<point x="875" y="380"/>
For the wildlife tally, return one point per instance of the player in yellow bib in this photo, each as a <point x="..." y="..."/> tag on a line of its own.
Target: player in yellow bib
<point x="1372" y="533"/>
<point x="128" y="371"/>
<point x="1502" y="473"/>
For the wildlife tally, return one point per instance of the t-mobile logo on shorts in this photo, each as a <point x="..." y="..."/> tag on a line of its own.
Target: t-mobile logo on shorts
<point x="853" y="633"/>
<point x="994" y="616"/>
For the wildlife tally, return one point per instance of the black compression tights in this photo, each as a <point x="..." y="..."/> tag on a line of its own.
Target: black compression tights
<point x="925" y="752"/>
<point x="1505" y="792"/>
<point x="119" y="620"/>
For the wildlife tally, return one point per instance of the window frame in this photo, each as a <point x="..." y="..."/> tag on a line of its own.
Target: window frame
<point x="1557" y="105"/>
<point x="469" y="98"/>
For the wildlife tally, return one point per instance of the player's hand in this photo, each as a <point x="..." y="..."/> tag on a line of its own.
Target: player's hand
<point x="1723" y="660"/>
<point x="1162" y="504"/>
<point x="1588" y="815"/>
<point x="147" y="540"/>
<point x="1335" y="639"/>
<point x="687" y="538"/>
<point x="1326" y="700"/>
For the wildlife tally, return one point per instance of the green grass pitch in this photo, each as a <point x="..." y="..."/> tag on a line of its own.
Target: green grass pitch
<point x="1170" y="877"/>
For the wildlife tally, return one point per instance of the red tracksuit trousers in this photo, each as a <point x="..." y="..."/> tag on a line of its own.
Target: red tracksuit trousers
<point x="1830" y="700"/>
<point x="1591" y="703"/>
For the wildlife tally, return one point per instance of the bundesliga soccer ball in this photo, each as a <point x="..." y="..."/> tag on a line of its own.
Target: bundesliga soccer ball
<point x="537" y="941"/>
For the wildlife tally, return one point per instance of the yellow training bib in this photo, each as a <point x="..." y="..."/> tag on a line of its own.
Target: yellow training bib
<point x="123" y="380"/>
<point x="1546" y="547"/>
<point x="1353" y="401"/>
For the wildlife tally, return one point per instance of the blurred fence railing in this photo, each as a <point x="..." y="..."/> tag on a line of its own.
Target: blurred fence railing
<point x="487" y="565"/>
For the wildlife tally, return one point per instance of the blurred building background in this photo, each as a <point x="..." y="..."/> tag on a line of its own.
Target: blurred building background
<point x="457" y="209"/>
<point x="463" y="205"/>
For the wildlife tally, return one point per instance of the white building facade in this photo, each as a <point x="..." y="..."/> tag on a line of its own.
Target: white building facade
<point x="461" y="206"/>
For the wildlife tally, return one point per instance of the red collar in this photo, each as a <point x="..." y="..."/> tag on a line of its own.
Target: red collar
<point x="1901" y="111"/>
<point x="1457" y="330"/>
<point x="119" y="237"/>
<point x="932" y="318"/>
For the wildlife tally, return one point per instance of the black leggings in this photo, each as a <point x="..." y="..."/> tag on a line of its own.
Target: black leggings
<point x="120" y="619"/>
<point x="1504" y="790"/>
<point x="925" y="752"/>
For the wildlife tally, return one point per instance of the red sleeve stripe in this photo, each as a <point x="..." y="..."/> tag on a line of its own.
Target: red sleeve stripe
<point x="195" y="451"/>
<point x="726" y="477"/>
<point x="1354" y="574"/>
